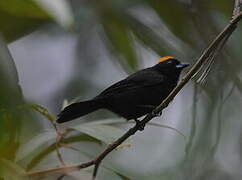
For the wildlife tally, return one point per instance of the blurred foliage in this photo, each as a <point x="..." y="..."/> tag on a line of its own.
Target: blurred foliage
<point x="11" y="97"/>
<point x="126" y="32"/>
<point x="19" y="18"/>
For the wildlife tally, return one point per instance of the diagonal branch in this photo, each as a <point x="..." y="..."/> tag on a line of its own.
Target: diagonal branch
<point x="223" y="36"/>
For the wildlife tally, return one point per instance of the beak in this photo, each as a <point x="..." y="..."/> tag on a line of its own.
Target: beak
<point x="182" y="65"/>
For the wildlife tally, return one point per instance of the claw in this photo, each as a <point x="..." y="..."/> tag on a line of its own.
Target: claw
<point x="141" y="126"/>
<point x="157" y="114"/>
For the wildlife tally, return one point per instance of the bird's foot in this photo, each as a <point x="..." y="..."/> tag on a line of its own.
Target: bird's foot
<point x="139" y="124"/>
<point x="157" y="113"/>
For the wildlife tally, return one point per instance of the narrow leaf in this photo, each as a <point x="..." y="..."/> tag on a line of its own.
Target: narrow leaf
<point x="104" y="133"/>
<point x="47" y="150"/>
<point x="11" y="97"/>
<point x="120" y="121"/>
<point x="119" y="40"/>
<point x="42" y="110"/>
<point x="35" y="144"/>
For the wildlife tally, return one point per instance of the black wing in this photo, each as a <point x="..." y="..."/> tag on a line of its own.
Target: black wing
<point x="143" y="78"/>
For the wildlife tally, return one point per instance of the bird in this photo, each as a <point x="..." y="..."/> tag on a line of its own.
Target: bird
<point x="133" y="97"/>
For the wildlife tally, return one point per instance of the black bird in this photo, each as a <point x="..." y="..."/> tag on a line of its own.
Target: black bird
<point x="134" y="96"/>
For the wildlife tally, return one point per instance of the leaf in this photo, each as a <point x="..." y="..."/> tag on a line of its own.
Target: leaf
<point x="59" y="10"/>
<point x="17" y="17"/>
<point x="119" y="40"/>
<point x="18" y="8"/>
<point x="168" y="127"/>
<point x="10" y="170"/>
<point x="151" y="39"/>
<point x="42" y="110"/>
<point x="11" y="97"/>
<point x="14" y="27"/>
<point x="108" y="122"/>
<point x="47" y="150"/>
<point x="8" y="69"/>
<point x="176" y="15"/>
<point x="104" y="133"/>
<point x="223" y="6"/>
<point x="35" y="144"/>
<point x="67" y="103"/>
<point x="146" y="35"/>
<point x="119" y="121"/>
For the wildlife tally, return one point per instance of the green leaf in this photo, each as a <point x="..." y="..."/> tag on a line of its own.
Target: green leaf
<point x="120" y="121"/>
<point x="7" y="65"/>
<point x="42" y="110"/>
<point x="67" y="103"/>
<point x="17" y="17"/>
<point x="11" y="97"/>
<point x="35" y="144"/>
<point x="26" y="8"/>
<point x="11" y="171"/>
<point x="104" y="133"/>
<point x="14" y="27"/>
<point x="151" y="39"/>
<point x="108" y="122"/>
<point x="119" y="40"/>
<point x="168" y="127"/>
<point x="223" y="6"/>
<point x="176" y="15"/>
<point x="47" y="150"/>
<point x="59" y="10"/>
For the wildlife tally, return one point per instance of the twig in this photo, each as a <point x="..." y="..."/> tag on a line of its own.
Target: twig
<point x="237" y="7"/>
<point x="95" y="170"/>
<point x="57" y="143"/>
<point x="227" y="31"/>
<point x="68" y="168"/>
<point x="59" y="178"/>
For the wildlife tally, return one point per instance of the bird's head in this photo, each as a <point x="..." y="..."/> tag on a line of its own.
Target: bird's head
<point x="169" y="65"/>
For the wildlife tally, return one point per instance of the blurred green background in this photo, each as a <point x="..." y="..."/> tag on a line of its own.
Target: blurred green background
<point x="53" y="52"/>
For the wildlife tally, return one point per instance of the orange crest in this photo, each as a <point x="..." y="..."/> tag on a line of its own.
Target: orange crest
<point x="165" y="58"/>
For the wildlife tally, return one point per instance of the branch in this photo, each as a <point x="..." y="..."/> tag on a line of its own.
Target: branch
<point x="223" y="36"/>
<point x="237" y="7"/>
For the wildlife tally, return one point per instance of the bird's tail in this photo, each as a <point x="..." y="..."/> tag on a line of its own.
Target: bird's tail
<point x="76" y="110"/>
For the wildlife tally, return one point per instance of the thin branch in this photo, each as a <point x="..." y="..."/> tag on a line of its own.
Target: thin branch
<point x="68" y="168"/>
<point x="237" y="7"/>
<point x="212" y="47"/>
<point x="59" y="178"/>
<point x="95" y="170"/>
<point x="57" y="145"/>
